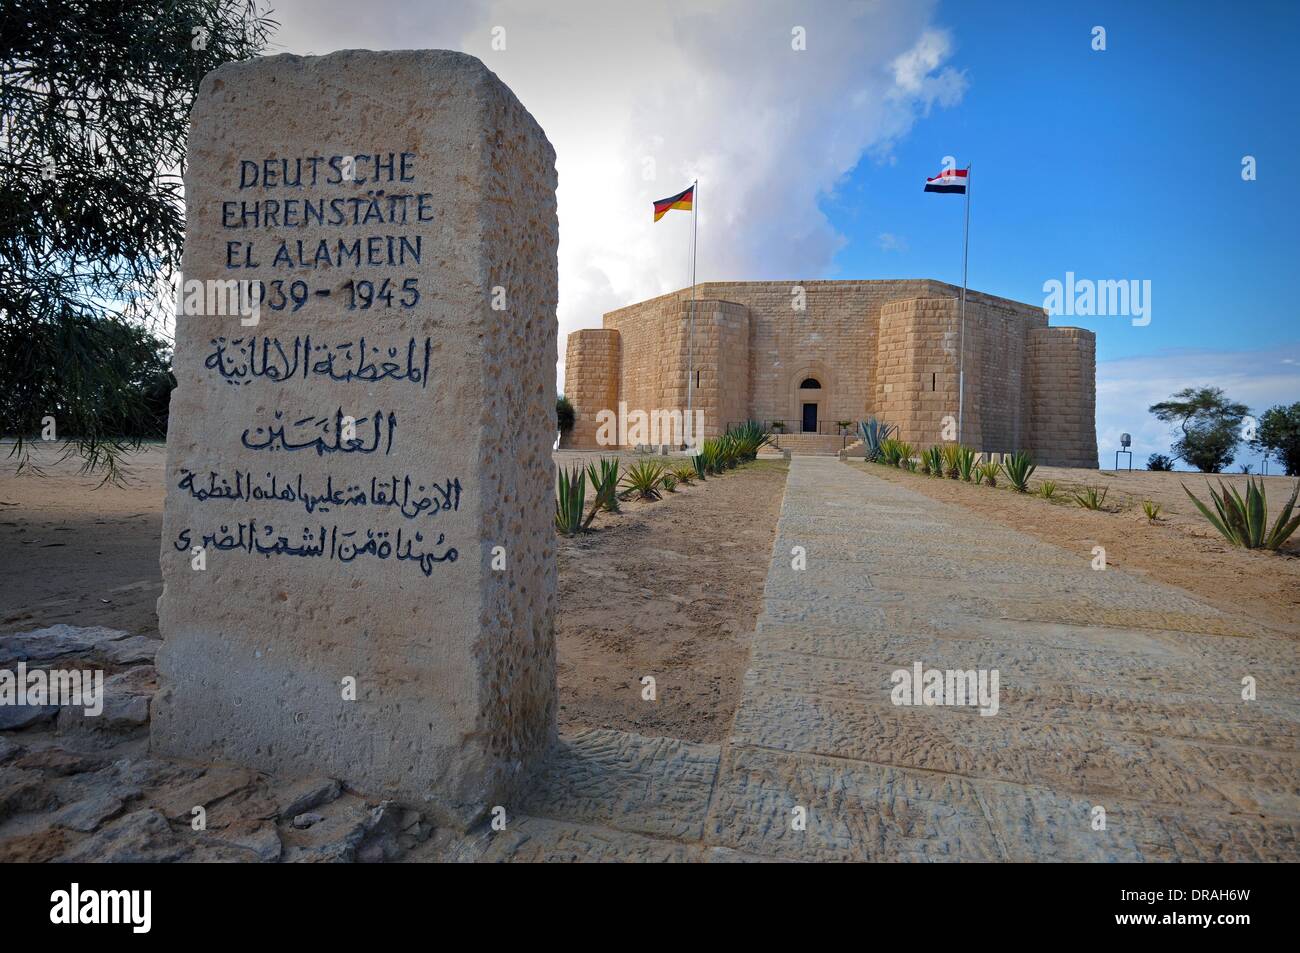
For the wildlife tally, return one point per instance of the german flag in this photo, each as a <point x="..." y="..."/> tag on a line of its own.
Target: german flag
<point x="682" y="200"/>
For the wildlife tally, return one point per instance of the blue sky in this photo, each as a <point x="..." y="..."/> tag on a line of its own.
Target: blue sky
<point x="1123" y="163"/>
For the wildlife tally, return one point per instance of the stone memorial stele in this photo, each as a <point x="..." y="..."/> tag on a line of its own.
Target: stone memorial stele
<point x="358" y="550"/>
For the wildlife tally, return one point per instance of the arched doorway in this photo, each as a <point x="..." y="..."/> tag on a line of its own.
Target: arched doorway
<point x="808" y="388"/>
<point x="809" y="404"/>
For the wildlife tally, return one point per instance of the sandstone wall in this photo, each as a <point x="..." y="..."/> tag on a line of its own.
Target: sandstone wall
<point x="593" y="358"/>
<point x="722" y="363"/>
<point x="888" y="348"/>
<point x="916" y="369"/>
<point x="1062" y="403"/>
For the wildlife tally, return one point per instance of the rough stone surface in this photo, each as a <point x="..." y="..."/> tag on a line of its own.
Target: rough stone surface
<point x="306" y="794"/>
<point x="128" y="651"/>
<point x="16" y="717"/>
<point x="141" y="837"/>
<point x="87" y="815"/>
<point x="54" y="641"/>
<point x="453" y="660"/>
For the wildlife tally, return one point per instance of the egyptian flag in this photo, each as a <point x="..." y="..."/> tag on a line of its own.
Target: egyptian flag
<point x="682" y="200"/>
<point x="949" y="180"/>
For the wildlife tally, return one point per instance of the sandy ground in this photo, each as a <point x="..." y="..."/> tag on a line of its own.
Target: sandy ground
<point x="78" y="554"/>
<point x="1180" y="549"/>
<point x="671" y="590"/>
<point x="668" y="589"/>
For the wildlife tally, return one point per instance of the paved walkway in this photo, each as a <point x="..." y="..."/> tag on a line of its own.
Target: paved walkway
<point x="1115" y="693"/>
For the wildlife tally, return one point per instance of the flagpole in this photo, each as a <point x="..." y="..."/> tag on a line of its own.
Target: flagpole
<point x="961" y="359"/>
<point x="690" y="334"/>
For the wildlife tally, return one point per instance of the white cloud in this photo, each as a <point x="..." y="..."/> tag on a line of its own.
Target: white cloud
<point x="715" y="93"/>
<point x="917" y="75"/>
<point x="1127" y="387"/>
<point x="890" y="242"/>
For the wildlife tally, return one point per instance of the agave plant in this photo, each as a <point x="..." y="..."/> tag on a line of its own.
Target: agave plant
<point x="643" y="478"/>
<point x="951" y="453"/>
<point x="729" y="450"/>
<point x="711" y="454"/>
<point x="934" y="459"/>
<point x="683" y="473"/>
<point x="1091" y="497"/>
<point x="1244" y="522"/>
<point x="965" y="463"/>
<point x="888" y="453"/>
<point x="1047" y="489"/>
<point x="1152" y="510"/>
<point x="988" y="473"/>
<point x="569" y="498"/>
<point x="668" y="482"/>
<point x="750" y="437"/>
<point x="603" y="475"/>
<point x="904" y="454"/>
<point x="1019" y="467"/>
<point x="874" y="433"/>
<point x="700" y="464"/>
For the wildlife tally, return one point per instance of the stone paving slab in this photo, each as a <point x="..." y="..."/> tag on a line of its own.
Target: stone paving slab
<point x="643" y="785"/>
<point x="539" y="840"/>
<point x="1115" y="692"/>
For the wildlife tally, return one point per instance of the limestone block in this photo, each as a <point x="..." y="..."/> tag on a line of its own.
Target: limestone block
<point x="347" y="466"/>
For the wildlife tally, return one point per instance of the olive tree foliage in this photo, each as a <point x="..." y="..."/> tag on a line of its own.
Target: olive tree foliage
<point x="1279" y="436"/>
<point x="94" y="111"/>
<point x="1209" y="426"/>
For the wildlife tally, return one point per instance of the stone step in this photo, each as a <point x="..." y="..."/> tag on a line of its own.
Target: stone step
<point x="809" y="444"/>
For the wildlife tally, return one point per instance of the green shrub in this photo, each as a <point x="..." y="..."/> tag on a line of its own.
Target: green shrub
<point x="1245" y="522"/>
<point x="683" y="473"/>
<point x="874" y="433"/>
<point x="951" y="460"/>
<point x="603" y="475"/>
<point x="890" y="452"/>
<point x="643" y="478"/>
<point x="729" y="449"/>
<point x="1019" y="467"/>
<point x="569" y="499"/>
<point x="965" y="463"/>
<point x="1091" y="497"/>
<point x="564" y="414"/>
<point x="711" y="451"/>
<point x="749" y="438"/>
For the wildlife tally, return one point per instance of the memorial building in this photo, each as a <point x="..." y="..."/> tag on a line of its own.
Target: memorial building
<point x="808" y="357"/>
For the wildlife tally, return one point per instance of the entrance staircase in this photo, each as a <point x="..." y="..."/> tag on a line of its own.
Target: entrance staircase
<point x="812" y="444"/>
